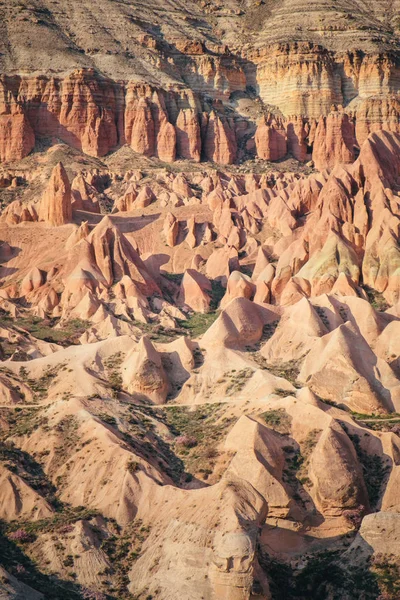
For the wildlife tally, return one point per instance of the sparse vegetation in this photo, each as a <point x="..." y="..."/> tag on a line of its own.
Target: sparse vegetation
<point x="123" y="549"/>
<point x="203" y="429"/>
<point x="112" y="365"/>
<point x="66" y="335"/>
<point x="40" y="386"/>
<point x="217" y="293"/>
<point x="133" y="466"/>
<point x="64" y="516"/>
<point x="289" y="371"/>
<point x="319" y="577"/>
<point x="198" y="323"/>
<point x="376" y="299"/>
<point x="174" y="277"/>
<point x="386" y="570"/>
<point x="14" y="558"/>
<point x="322" y="315"/>
<point x="24" y="465"/>
<point x="109" y="419"/>
<point x="375" y="470"/>
<point x="278" y="420"/>
<point x="238" y="380"/>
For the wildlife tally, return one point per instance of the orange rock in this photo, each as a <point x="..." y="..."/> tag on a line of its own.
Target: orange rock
<point x="32" y="281"/>
<point x="126" y="203"/>
<point x="191" y="239"/>
<point x="240" y="323"/>
<point x="115" y="257"/>
<point x="297" y="332"/>
<point x="296" y="135"/>
<point x="342" y="367"/>
<point x="221" y="263"/>
<point x="239" y="286"/>
<point x="144" y="197"/>
<point x="77" y="235"/>
<point x="271" y="139"/>
<point x="346" y="488"/>
<point x="375" y="114"/>
<point x="49" y="300"/>
<point x="219" y="140"/>
<point x="164" y="131"/>
<point x="170" y="229"/>
<point x="194" y="291"/>
<point x="143" y="372"/>
<point x="55" y="205"/>
<point x="263" y="293"/>
<point x="344" y="286"/>
<point x="334" y="141"/>
<point x="84" y="195"/>
<point x="142" y="131"/>
<point x="181" y="186"/>
<point x="17" y="212"/>
<point x="86" y="308"/>
<point x="17" y="138"/>
<point x="262" y="262"/>
<point x="80" y="109"/>
<point x="77" y="284"/>
<point x="188" y="139"/>
<point x="295" y="289"/>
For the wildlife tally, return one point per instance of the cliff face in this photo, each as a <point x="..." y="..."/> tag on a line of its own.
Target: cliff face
<point x="96" y="115"/>
<point x="306" y="79"/>
<point x="171" y="87"/>
<point x="189" y="352"/>
<point x="16" y="135"/>
<point x="377" y="113"/>
<point x="81" y="109"/>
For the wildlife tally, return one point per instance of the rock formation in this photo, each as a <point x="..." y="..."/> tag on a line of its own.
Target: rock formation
<point x="333" y="141"/>
<point x="199" y="348"/>
<point x="55" y="205"/>
<point x="270" y="138"/>
<point x="188" y="140"/>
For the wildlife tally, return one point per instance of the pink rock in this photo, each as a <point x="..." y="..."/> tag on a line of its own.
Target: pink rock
<point x="334" y="141"/>
<point x="55" y="205"/>
<point x="193" y="291"/>
<point x="271" y="139"/>
<point x="219" y="140"/>
<point x="142" y="137"/>
<point x="188" y="139"/>
<point x="171" y="229"/>
<point x="239" y="286"/>
<point x="145" y="197"/>
<point x="17" y="139"/>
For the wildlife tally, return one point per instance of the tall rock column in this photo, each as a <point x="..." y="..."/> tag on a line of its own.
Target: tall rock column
<point x="188" y="139"/>
<point x="139" y="128"/>
<point x="55" y="205"/>
<point x="271" y="139"/>
<point x="16" y="135"/>
<point x="296" y="132"/>
<point x="334" y="141"/>
<point x="165" y="135"/>
<point x="219" y="140"/>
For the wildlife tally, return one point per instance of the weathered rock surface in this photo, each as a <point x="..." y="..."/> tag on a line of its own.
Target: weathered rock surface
<point x="55" y="205"/>
<point x="200" y="366"/>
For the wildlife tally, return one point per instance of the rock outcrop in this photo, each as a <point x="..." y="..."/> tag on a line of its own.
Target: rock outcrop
<point x="200" y="363"/>
<point x="55" y="205"/>
<point x="333" y="141"/>
<point x="270" y="138"/>
<point x="143" y="372"/>
<point x="219" y="143"/>
<point x="17" y="138"/>
<point x="188" y="140"/>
